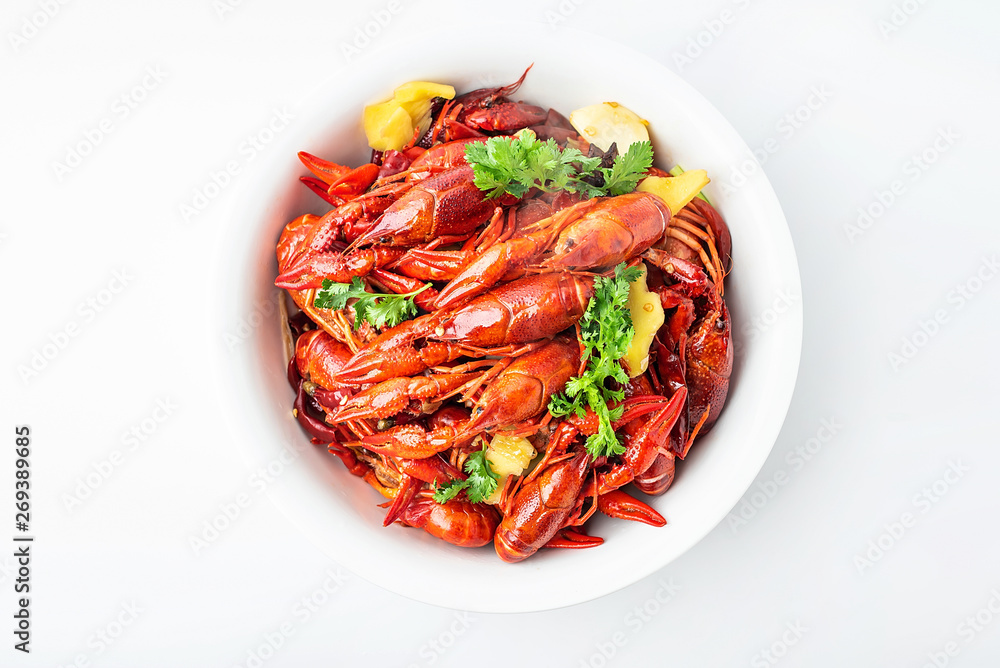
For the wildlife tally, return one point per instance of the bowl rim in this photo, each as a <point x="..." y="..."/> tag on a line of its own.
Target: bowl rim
<point x="407" y="576"/>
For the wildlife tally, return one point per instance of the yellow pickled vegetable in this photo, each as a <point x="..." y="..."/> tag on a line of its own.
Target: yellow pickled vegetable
<point x="676" y="191"/>
<point x="508" y="455"/>
<point x="647" y="318"/>
<point x="391" y="125"/>
<point x="387" y="126"/>
<point x="677" y="170"/>
<point x="423" y="90"/>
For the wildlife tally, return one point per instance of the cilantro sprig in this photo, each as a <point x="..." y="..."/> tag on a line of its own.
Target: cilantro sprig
<point x="626" y="171"/>
<point x="480" y="484"/>
<point x="607" y="331"/>
<point x="516" y="164"/>
<point x="377" y="308"/>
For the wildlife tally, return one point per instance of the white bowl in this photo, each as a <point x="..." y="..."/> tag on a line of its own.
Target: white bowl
<point x="338" y="511"/>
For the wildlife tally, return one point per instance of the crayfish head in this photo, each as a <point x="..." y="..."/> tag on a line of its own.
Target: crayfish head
<point x="319" y="357"/>
<point x="399" y="351"/>
<point x="509" y="400"/>
<point x="293" y="239"/>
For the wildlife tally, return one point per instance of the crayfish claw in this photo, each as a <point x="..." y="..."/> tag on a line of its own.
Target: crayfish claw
<point x="623" y="506"/>
<point x="406" y="492"/>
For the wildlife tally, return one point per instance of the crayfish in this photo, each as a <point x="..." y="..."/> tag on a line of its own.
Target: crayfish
<point x="501" y="288"/>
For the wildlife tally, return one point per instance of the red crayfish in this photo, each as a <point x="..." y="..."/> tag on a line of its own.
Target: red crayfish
<point x="501" y="285"/>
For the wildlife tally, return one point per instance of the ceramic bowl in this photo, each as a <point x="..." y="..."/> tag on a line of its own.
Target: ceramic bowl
<point x="337" y="511"/>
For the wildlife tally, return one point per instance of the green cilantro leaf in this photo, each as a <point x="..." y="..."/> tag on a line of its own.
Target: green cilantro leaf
<point x="606" y="330"/>
<point x="516" y="164"/>
<point x="448" y="491"/>
<point x="482" y="479"/>
<point x="391" y="312"/>
<point x="481" y="483"/>
<point x="381" y="310"/>
<point x="628" y="169"/>
<point x="335" y="295"/>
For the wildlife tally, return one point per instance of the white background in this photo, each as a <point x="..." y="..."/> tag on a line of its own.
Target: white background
<point x="885" y="82"/>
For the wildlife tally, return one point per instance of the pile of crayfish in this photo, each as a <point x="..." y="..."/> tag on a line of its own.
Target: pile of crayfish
<point x="501" y="285"/>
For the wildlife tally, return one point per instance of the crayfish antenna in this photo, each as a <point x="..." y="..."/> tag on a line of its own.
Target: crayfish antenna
<point x="510" y="89"/>
<point x="573" y="539"/>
